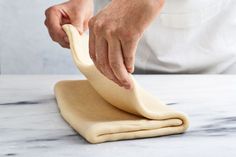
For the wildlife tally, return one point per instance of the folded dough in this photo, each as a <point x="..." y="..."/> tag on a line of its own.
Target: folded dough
<point x="100" y="110"/>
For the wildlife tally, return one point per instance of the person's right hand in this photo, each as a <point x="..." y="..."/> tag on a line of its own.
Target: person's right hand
<point x="75" y="12"/>
<point x="114" y="34"/>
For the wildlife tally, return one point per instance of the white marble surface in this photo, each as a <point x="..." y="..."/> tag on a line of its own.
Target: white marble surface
<point x="30" y="124"/>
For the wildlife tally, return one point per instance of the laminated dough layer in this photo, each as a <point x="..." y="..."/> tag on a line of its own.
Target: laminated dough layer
<point x="101" y="111"/>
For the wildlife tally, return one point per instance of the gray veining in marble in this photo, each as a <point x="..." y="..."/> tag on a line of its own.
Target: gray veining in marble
<point x="30" y="124"/>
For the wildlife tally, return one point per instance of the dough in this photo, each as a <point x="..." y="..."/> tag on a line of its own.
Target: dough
<point x="100" y="110"/>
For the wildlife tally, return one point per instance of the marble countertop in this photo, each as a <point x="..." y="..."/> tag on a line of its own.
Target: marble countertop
<point x="30" y="124"/>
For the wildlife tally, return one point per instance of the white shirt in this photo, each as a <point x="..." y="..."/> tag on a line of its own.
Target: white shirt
<point x="190" y="36"/>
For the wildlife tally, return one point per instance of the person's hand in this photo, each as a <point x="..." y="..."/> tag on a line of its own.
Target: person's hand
<point x="75" y="12"/>
<point x="114" y="34"/>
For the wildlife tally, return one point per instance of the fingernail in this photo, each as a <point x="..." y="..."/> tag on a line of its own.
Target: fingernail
<point x="130" y="70"/>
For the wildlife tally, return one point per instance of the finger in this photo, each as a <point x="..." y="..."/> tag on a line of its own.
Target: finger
<point x="78" y="22"/>
<point x="101" y="50"/>
<point x="92" y="44"/>
<point x="100" y="46"/>
<point x="53" y="23"/>
<point x="128" y="50"/>
<point x="116" y="62"/>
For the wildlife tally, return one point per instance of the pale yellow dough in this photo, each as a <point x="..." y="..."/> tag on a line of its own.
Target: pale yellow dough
<point x="100" y="110"/>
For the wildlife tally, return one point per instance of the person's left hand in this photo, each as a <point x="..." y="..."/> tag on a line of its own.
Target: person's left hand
<point x="114" y="34"/>
<point x="75" y="12"/>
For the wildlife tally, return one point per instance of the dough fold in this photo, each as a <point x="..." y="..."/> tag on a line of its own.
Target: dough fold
<point x="100" y="111"/>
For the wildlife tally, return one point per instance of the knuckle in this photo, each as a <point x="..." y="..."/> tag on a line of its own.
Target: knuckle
<point x="46" y="22"/>
<point x="54" y="39"/>
<point x="114" y="65"/>
<point x="91" y="22"/>
<point x="110" y="31"/>
<point x="50" y="10"/>
<point x="52" y="35"/>
<point x="98" y="27"/>
<point x="129" y="36"/>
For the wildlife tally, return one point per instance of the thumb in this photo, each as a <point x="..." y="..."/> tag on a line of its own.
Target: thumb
<point x="78" y="22"/>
